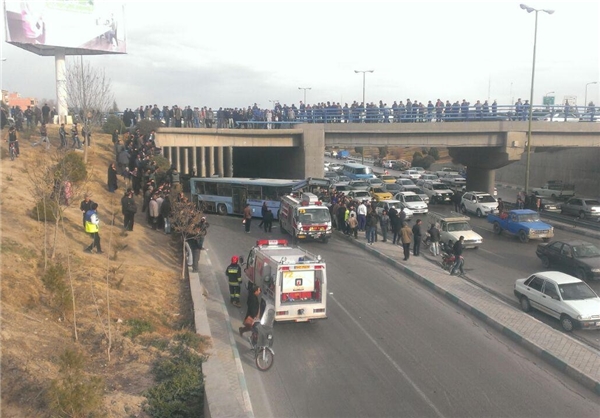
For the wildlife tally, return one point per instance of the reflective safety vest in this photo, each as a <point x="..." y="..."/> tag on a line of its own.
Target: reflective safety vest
<point x="91" y="222"/>
<point x="234" y="274"/>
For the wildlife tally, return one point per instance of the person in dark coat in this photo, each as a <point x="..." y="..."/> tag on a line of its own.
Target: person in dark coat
<point x="416" y="230"/>
<point x="112" y="178"/>
<point x="268" y="220"/>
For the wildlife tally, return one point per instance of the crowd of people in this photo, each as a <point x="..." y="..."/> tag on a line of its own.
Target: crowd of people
<point x="333" y="112"/>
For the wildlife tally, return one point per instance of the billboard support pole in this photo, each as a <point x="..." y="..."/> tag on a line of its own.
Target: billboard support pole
<point x="61" y="85"/>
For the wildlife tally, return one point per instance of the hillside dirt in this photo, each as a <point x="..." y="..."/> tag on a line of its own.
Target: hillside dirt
<point x="137" y="278"/>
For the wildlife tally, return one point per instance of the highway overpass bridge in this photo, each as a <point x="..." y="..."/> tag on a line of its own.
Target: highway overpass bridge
<point x="298" y="152"/>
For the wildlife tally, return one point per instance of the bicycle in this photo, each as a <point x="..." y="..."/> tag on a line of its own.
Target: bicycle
<point x="261" y="340"/>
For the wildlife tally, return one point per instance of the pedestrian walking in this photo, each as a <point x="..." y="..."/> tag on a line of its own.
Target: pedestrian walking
<point x="92" y="227"/>
<point x="268" y="220"/>
<point x="85" y="206"/>
<point x="457" y="249"/>
<point x="247" y="217"/>
<point x="129" y="209"/>
<point x="352" y="225"/>
<point x="384" y="223"/>
<point x="253" y="310"/>
<point x="372" y="222"/>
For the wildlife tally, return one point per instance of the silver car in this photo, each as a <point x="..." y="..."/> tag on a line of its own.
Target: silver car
<point x="582" y="208"/>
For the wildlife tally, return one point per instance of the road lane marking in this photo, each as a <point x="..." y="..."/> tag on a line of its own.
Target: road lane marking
<point x="389" y="358"/>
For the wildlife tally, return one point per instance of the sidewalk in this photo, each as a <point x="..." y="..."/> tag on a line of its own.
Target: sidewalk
<point x="226" y="393"/>
<point x="580" y="362"/>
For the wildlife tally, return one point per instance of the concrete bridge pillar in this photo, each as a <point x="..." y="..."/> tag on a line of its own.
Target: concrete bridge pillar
<point x="195" y="160"/>
<point x="220" y="169"/>
<point x="482" y="161"/>
<point x="201" y="162"/>
<point x="228" y="161"/>
<point x="211" y="162"/>
<point x="185" y="161"/>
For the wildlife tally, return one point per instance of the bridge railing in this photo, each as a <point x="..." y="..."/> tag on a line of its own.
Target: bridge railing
<point x="431" y="115"/>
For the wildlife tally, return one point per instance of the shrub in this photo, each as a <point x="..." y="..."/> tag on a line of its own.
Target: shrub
<point x="113" y="123"/>
<point x="55" y="281"/>
<point x="73" y="394"/>
<point x="424" y="162"/>
<point x="138" y="327"/>
<point x="46" y="211"/>
<point x="71" y="168"/>
<point x="434" y="152"/>
<point x="146" y="126"/>
<point x="180" y="388"/>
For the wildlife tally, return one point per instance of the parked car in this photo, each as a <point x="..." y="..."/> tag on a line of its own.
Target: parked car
<point x="405" y="182"/>
<point x="379" y="193"/>
<point x="561" y="296"/>
<point x="582" y="208"/>
<point x="438" y="192"/>
<point x="375" y="182"/>
<point x="359" y="195"/>
<point x="430" y="177"/>
<point x="479" y="203"/>
<point x="331" y="176"/>
<point x="580" y="258"/>
<point x="550" y="206"/>
<point x="388" y="204"/>
<point x="386" y="178"/>
<point x="421" y="193"/>
<point x="343" y="188"/>
<point x="343" y="179"/>
<point x="412" y="201"/>
<point x="410" y="174"/>
<point x="393" y="188"/>
<point x="360" y="185"/>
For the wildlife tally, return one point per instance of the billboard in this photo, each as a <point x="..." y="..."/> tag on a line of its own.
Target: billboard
<point x="81" y="27"/>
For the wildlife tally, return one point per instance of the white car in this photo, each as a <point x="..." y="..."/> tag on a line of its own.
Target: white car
<point x="561" y="296"/>
<point x="430" y="177"/>
<point x="479" y="203"/>
<point x="405" y="182"/>
<point x="410" y="174"/>
<point x="360" y="185"/>
<point x="438" y="192"/>
<point x="412" y="201"/>
<point x="359" y="195"/>
<point x="388" y="204"/>
<point x="560" y="117"/>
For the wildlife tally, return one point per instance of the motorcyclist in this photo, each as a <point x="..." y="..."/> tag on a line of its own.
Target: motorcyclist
<point x="234" y="276"/>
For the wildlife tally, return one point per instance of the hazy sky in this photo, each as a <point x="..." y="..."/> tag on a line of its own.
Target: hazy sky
<point x="234" y="54"/>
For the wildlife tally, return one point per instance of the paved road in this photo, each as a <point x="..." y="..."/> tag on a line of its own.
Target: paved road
<point x="392" y="348"/>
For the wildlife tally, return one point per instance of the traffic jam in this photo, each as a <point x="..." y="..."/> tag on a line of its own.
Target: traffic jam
<point x="560" y="290"/>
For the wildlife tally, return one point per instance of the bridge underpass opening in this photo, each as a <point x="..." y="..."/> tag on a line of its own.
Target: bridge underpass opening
<point x="268" y="162"/>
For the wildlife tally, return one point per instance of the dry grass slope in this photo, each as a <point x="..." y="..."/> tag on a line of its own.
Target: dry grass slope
<point x="141" y="283"/>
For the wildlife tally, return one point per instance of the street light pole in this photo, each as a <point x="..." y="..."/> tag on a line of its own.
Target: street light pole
<point x="585" y="103"/>
<point x="304" y="88"/>
<point x="529" y="10"/>
<point x="363" y="73"/>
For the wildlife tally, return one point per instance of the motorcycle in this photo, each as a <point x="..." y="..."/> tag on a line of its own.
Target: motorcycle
<point x="448" y="260"/>
<point x="261" y="340"/>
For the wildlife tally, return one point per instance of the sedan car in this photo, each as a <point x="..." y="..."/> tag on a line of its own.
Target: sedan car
<point x="405" y="182"/>
<point x="388" y="204"/>
<point x="359" y="195"/>
<point x="379" y="193"/>
<point x="360" y="185"/>
<point x="581" y="207"/>
<point x="342" y="188"/>
<point x="580" y="258"/>
<point x="561" y="296"/>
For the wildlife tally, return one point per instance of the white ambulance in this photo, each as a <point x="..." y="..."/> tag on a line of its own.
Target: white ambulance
<point x="291" y="279"/>
<point x="305" y="217"/>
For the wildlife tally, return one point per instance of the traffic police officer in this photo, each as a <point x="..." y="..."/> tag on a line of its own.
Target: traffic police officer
<point x="234" y="276"/>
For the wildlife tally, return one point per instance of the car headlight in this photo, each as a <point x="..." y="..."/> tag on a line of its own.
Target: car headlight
<point x="595" y="270"/>
<point x="583" y="318"/>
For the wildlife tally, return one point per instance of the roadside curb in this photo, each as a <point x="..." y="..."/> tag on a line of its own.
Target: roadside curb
<point x="223" y="370"/>
<point x="548" y="357"/>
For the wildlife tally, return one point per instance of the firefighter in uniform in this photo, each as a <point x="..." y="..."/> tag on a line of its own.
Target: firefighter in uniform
<point x="234" y="276"/>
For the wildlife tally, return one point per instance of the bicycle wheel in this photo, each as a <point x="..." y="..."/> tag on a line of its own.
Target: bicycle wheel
<point x="264" y="359"/>
<point x="12" y="154"/>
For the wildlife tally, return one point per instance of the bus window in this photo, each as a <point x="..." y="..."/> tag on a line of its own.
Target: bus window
<point x="254" y="192"/>
<point x="224" y="189"/>
<point x="211" y="188"/>
<point x="199" y="188"/>
<point x="269" y="193"/>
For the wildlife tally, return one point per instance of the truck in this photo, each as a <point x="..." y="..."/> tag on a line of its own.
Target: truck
<point x="555" y="189"/>
<point x="292" y="279"/>
<point x="342" y="154"/>
<point x="304" y="217"/>
<point x="454" y="225"/>
<point x="523" y="223"/>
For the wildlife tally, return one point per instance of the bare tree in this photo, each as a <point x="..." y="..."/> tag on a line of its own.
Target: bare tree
<point x="185" y="219"/>
<point x="88" y="90"/>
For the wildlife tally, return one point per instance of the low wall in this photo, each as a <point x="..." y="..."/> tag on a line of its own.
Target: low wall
<point x="578" y="166"/>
